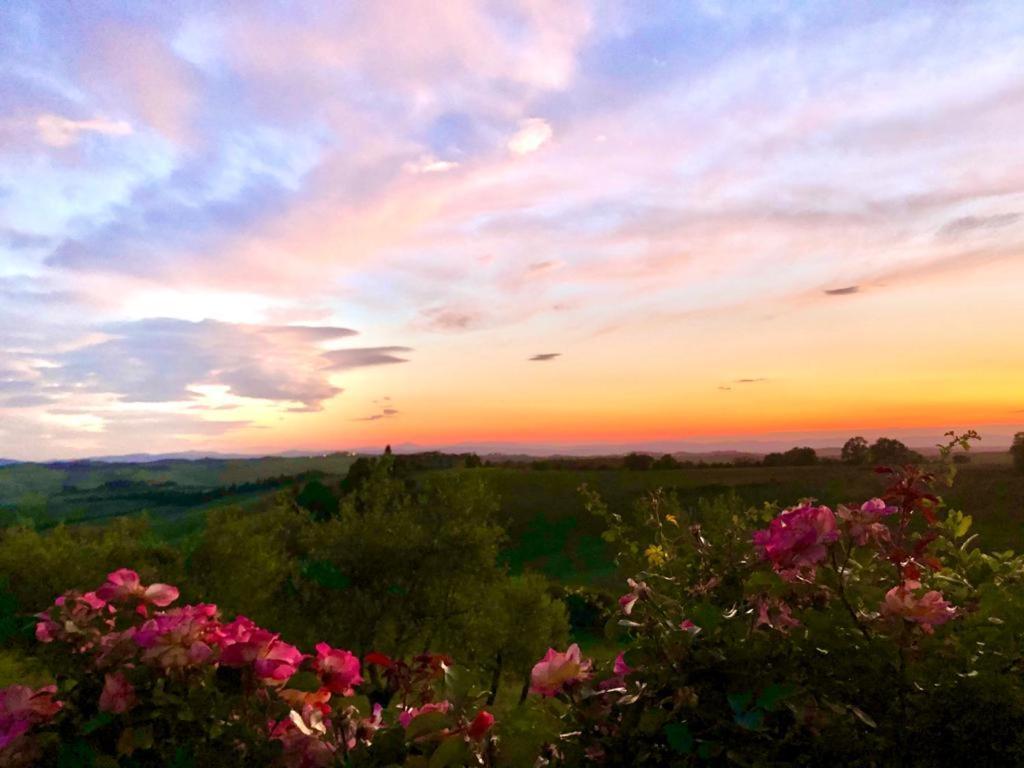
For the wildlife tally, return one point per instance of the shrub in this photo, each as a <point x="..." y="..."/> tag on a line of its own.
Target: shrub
<point x="141" y="683"/>
<point x="803" y="636"/>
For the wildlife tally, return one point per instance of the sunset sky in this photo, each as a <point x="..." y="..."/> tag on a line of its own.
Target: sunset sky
<point x="255" y="227"/>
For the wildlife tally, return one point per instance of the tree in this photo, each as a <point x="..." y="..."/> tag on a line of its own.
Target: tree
<point x="887" y="450"/>
<point x="318" y="499"/>
<point x="856" y="451"/>
<point x="639" y="461"/>
<point x="668" y="461"/>
<point x="794" y="457"/>
<point x="1017" y="449"/>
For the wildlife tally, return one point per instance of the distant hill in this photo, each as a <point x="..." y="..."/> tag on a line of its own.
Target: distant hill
<point x="6" y="462"/>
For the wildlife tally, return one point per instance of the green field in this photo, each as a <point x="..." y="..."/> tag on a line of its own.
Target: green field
<point x="542" y="510"/>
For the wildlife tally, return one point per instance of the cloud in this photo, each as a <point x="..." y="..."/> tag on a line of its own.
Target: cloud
<point x="725" y="389"/>
<point x="385" y="413"/>
<point x="847" y="291"/>
<point x="59" y="131"/>
<point x="975" y="223"/>
<point x="543" y="357"/>
<point x="164" y="360"/>
<point x="533" y="133"/>
<point x="344" y="359"/>
<point x="450" y="319"/>
<point x="749" y="381"/>
<point x="430" y="164"/>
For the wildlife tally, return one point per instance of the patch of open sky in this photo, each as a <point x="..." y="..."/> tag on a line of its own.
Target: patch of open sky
<point x="455" y="135"/>
<point x="59" y="199"/>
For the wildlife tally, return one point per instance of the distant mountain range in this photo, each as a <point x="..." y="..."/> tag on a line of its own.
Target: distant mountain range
<point x="722" y="450"/>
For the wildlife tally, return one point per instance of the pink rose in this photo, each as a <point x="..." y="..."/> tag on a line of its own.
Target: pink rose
<point x="929" y="610"/>
<point x="118" y="694"/>
<point x="797" y="540"/>
<point x="338" y="669"/>
<point x="557" y="670"/>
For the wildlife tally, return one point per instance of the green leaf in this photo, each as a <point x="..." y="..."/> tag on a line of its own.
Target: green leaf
<point x="453" y="751"/>
<point x="751" y="720"/>
<point x="740" y="702"/>
<point x="307" y="682"/>
<point x="706" y="615"/>
<point x="142" y="738"/>
<point x="679" y="738"/>
<point x="97" y="722"/>
<point x="76" y="754"/>
<point x="773" y="694"/>
<point x="428" y="722"/>
<point x="964" y="526"/>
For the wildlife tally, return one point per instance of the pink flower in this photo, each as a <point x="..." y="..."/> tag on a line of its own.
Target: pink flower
<point x="864" y="524"/>
<point x="243" y="643"/>
<point x="557" y="670"/>
<point x="481" y="724"/>
<point x="21" y="708"/>
<point x="797" y="540"/>
<point x="688" y="626"/>
<point x="409" y="714"/>
<point x="179" y="638"/>
<point x="277" y="661"/>
<point x="774" y="613"/>
<point x="338" y="669"/>
<point x="46" y="628"/>
<point x="621" y="668"/>
<point x="929" y="610"/>
<point x="118" y="694"/>
<point x="124" y="584"/>
<point x="638" y="589"/>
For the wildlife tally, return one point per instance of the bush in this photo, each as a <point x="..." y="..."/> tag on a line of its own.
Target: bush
<point x="142" y="684"/>
<point x="802" y="637"/>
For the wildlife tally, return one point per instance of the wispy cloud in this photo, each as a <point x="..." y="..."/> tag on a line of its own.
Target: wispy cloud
<point x="61" y="132"/>
<point x="533" y="133"/>
<point x="544" y="357"/>
<point x="847" y="291"/>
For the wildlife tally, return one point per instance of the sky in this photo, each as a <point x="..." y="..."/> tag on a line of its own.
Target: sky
<point x="254" y="227"/>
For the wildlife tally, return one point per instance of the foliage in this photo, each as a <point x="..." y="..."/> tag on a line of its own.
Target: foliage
<point x="802" y="637"/>
<point x="856" y="451"/>
<point x="141" y="684"/>
<point x="1017" y="450"/>
<point x="794" y="457"/>
<point x="886" y="450"/>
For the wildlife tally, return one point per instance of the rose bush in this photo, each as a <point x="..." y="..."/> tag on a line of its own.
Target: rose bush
<point x="143" y="683"/>
<point x="802" y="636"/>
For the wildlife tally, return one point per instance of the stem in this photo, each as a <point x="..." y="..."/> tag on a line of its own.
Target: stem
<point x="845" y="600"/>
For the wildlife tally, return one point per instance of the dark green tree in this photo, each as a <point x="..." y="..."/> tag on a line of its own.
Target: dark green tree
<point x="887" y="450"/>
<point x="1017" y="449"/>
<point x="856" y="451"/>
<point x="668" y="461"/>
<point x="638" y="461"/>
<point x="319" y="500"/>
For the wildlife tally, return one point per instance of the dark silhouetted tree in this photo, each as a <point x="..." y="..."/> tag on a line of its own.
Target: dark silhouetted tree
<point x="668" y="461"/>
<point x="794" y="457"/>
<point x="638" y="461"/>
<point x="886" y="450"/>
<point x="319" y="500"/>
<point x="1017" y="449"/>
<point x="856" y="451"/>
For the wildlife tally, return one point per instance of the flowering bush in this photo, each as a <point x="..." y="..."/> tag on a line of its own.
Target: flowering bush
<point x="875" y="634"/>
<point x="878" y="634"/>
<point x="143" y="683"/>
